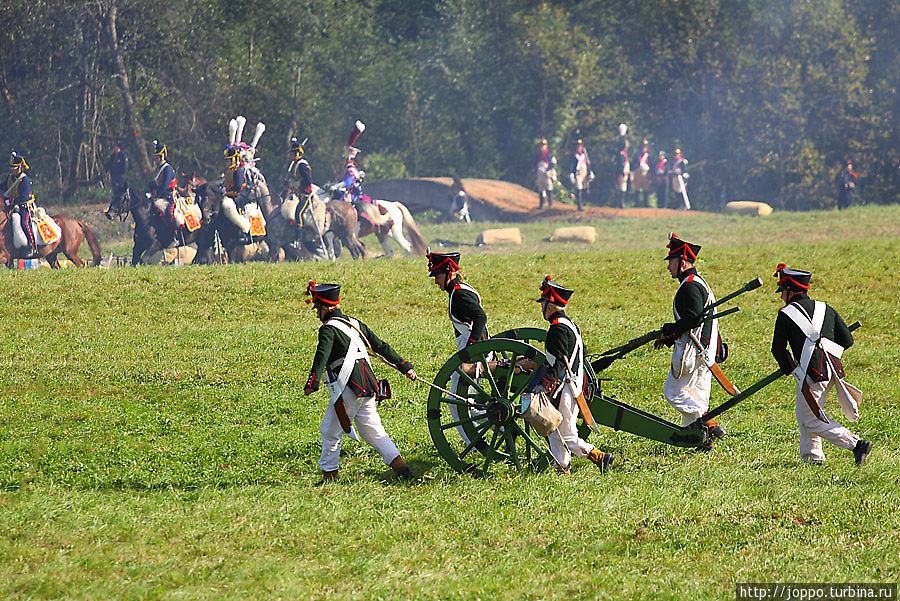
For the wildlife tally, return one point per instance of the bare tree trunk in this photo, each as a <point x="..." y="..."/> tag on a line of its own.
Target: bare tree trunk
<point x="294" y="126"/>
<point x="6" y="94"/>
<point x="125" y="88"/>
<point x="79" y="101"/>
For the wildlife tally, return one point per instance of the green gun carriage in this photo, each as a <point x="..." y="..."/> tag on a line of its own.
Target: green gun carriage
<point x="487" y="425"/>
<point x="480" y="423"/>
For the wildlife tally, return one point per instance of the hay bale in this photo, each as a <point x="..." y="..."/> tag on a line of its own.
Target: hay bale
<point x="748" y="207"/>
<point x="579" y="233"/>
<point x="506" y="235"/>
<point x="182" y="255"/>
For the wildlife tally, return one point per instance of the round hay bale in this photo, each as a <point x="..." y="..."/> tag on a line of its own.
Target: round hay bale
<point x="578" y="233"/>
<point x="506" y="235"/>
<point x="748" y="207"/>
<point x="181" y="255"/>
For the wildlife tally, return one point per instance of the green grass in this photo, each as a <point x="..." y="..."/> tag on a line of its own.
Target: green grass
<point x="155" y="444"/>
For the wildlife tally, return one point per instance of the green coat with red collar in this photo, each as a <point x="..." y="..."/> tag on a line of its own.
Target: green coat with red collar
<point x="332" y="348"/>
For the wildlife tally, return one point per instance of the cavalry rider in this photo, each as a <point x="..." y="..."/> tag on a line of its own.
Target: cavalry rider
<point x="817" y="337"/>
<point x="564" y="379"/>
<point x="19" y="196"/>
<point x="695" y="344"/>
<point x="353" y="175"/>
<point x="341" y="355"/>
<point x="298" y="180"/>
<point x="236" y="191"/>
<point x="162" y="186"/>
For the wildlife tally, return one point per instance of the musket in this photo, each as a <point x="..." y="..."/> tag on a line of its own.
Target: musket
<point x="620" y="351"/>
<point x="707" y="315"/>
<point x="747" y="392"/>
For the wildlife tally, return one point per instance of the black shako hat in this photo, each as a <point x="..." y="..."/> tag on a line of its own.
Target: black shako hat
<point x="554" y="293"/>
<point x="795" y="280"/>
<point x="682" y="248"/>
<point x="441" y="262"/>
<point x="323" y="294"/>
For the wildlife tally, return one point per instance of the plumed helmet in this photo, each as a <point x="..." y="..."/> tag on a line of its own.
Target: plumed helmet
<point x="160" y="150"/>
<point x="554" y="293"/>
<point x="795" y="280"/>
<point x="295" y="146"/>
<point x="17" y="160"/>
<point x="323" y="294"/>
<point x="358" y="128"/>
<point x="232" y="154"/>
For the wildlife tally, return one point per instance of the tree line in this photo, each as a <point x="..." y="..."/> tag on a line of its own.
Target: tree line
<point x="767" y="98"/>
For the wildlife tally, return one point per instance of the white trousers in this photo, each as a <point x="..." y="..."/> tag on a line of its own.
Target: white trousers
<point x="364" y="415"/>
<point x="229" y="209"/>
<point x="564" y="441"/>
<point x="689" y="393"/>
<point x="813" y="430"/>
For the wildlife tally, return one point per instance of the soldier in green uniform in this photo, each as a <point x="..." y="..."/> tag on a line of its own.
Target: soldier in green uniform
<point x="817" y="337"/>
<point x="564" y="378"/>
<point x="694" y="345"/>
<point x="343" y="361"/>
<point x="466" y="313"/>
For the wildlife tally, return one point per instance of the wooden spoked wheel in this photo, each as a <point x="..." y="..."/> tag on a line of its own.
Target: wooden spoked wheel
<point x="479" y="425"/>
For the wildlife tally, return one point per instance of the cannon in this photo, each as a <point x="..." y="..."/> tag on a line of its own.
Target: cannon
<point x="477" y="423"/>
<point x="474" y="409"/>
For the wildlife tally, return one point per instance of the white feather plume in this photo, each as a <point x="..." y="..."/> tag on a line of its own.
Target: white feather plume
<point x="260" y="129"/>
<point x="623" y="129"/>
<point x="241" y="121"/>
<point x="360" y="126"/>
<point x="232" y="131"/>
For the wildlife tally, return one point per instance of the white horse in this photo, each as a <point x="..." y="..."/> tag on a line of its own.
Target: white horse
<point x="387" y="218"/>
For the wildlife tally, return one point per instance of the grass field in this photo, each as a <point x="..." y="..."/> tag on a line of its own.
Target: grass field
<point x="155" y="444"/>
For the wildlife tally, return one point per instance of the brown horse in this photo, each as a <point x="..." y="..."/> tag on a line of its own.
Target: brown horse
<point x="344" y="223"/>
<point x="73" y="231"/>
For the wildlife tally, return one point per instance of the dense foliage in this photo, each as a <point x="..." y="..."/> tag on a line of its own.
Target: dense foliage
<point x="766" y="98"/>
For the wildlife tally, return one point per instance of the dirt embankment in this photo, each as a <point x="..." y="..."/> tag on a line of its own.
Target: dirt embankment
<point x="495" y="200"/>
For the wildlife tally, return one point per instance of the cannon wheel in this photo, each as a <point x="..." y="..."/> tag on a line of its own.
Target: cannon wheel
<point x="592" y="386"/>
<point x="489" y="420"/>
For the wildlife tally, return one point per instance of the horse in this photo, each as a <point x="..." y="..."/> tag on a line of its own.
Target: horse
<point x="211" y="195"/>
<point x="229" y="234"/>
<point x="72" y="232"/>
<point x="324" y="222"/>
<point x="152" y="231"/>
<point x="387" y="218"/>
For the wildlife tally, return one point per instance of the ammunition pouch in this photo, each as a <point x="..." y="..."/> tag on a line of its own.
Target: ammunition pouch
<point x="382" y="390"/>
<point x="721" y="351"/>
